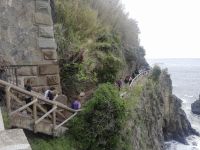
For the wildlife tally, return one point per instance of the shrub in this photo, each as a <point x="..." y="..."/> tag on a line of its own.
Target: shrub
<point x="98" y="126"/>
<point x="109" y="69"/>
<point x="62" y="143"/>
<point x="156" y="73"/>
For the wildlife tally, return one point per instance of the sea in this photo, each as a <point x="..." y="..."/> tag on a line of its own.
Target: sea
<point x="185" y="75"/>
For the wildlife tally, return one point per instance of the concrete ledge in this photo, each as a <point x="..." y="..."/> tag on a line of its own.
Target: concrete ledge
<point x="14" y="139"/>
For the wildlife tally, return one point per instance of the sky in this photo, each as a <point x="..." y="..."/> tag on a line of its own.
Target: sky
<point x="169" y="28"/>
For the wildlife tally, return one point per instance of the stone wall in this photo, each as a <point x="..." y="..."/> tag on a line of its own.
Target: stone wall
<point x="27" y="38"/>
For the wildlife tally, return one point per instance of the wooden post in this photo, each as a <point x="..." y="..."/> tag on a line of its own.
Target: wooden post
<point x="54" y="120"/>
<point x="8" y="98"/>
<point x="35" y="115"/>
<point x="16" y="77"/>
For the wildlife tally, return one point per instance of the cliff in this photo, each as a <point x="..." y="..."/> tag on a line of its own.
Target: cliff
<point x="154" y="116"/>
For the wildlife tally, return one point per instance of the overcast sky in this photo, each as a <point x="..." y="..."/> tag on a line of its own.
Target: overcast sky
<point x="169" y="28"/>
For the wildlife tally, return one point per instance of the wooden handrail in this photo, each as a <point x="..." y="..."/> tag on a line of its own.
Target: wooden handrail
<point x="45" y="115"/>
<point x="18" y="100"/>
<point x="65" y="121"/>
<point x="8" y="98"/>
<point x="141" y="74"/>
<point x="24" y="107"/>
<point x="33" y="94"/>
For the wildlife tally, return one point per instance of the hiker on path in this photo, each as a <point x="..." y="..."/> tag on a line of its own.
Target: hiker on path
<point x="49" y="94"/>
<point x="76" y="104"/>
<point x="126" y="80"/>
<point x="119" y="84"/>
<point x="130" y="80"/>
<point x="28" y="87"/>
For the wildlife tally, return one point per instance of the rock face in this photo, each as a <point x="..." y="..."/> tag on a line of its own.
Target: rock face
<point x="27" y="38"/>
<point x="155" y="116"/>
<point x="178" y="126"/>
<point x="175" y="123"/>
<point x="195" y="107"/>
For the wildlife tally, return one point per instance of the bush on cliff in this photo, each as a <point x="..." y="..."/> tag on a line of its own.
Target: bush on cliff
<point x="156" y="73"/>
<point x="98" y="126"/>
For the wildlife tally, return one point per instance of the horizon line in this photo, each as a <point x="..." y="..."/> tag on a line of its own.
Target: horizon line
<point x="174" y="58"/>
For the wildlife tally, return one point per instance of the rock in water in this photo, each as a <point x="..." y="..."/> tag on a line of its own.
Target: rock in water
<point x="195" y="107"/>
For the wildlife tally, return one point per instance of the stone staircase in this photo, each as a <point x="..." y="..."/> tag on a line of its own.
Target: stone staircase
<point x="13" y="139"/>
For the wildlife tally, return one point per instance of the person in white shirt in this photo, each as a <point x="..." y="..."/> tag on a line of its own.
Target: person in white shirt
<point x="49" y="94"/>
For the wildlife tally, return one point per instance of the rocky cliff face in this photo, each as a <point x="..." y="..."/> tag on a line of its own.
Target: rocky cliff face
<point x="27" y="38"/>
<point x="176" y="125"/>
<point x="155" y="116"/>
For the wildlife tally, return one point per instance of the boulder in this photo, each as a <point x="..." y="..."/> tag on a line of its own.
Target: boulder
<point x="195" y="107"/>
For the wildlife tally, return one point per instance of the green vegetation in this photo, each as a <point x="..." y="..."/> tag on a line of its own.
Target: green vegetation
<point x="6" y="119"/>
<point x="156" y="73"/>
<point x="99" y="125"/>
<point x="126" y="134"/>
<point x="51" y="144"/>
<point x="97" y="40"/>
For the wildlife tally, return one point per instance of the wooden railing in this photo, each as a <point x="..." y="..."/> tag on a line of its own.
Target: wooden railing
<point x="134" y="81"/>
<point x="143" y="73"/>
<point x="57" y="116"/>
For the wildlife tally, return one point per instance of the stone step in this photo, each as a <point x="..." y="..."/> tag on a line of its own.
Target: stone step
<point x="13" y="139"/>
<point x="1" y="122"/>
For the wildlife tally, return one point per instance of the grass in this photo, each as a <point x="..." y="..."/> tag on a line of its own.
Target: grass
<point x="62" y="143"/>
<point x="5" y="119"/>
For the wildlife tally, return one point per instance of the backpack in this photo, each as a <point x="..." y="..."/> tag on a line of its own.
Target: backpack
<point x="75" y="105"/>
<point x="50" y="95"/>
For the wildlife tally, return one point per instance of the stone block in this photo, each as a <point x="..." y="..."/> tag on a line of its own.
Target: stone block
<point x="50" y="54"/>
<point x="53" y="80"/>
<point x="43" y="7"/>
<point x="46" y="32"/>
<point x="27" y="71"/>
<point x="48" y="69"/>
<point x="46" y="43"/>
<point x="42" y="89"/>
<point x="36" y="81"/>
<point x="44" y="19"/>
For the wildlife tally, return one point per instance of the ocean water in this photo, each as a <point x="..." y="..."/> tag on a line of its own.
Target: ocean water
<point x="185" y="75"/>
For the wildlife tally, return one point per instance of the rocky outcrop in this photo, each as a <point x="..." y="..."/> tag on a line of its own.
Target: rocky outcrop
<point x="177" y="127"/>
<point x="175" y="123"/>
<point x="195" y="107"/>
<point x="155" y="116"/>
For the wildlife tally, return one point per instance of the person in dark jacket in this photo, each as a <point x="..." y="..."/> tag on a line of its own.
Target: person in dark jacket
<point x="119" y="84"/>
<point x="28" y="87"/>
